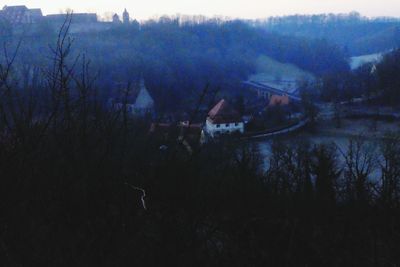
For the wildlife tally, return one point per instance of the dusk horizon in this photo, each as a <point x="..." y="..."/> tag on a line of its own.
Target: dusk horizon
<point x="252" y="9"/>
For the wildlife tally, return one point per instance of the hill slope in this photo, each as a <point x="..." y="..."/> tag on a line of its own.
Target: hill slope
<point x="283" y="76"/>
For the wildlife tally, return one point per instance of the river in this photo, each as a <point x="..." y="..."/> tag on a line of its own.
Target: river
<point x="342" y="142"/>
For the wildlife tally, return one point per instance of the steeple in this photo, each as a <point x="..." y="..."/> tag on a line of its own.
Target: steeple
<point x="144" y="102"/>
<point x="125" y="17"/>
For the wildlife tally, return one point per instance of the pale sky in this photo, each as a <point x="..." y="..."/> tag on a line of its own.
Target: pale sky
<point x="144" y="9"/>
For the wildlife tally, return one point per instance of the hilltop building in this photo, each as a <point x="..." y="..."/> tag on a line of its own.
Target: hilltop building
<point x="116" y="19"/>
<point x="80" y="22"/>
<point x="81" y="18"/>
<point x="222" y="119"/>
<point x="125" y="17"/>
<point x="16" y="15"/>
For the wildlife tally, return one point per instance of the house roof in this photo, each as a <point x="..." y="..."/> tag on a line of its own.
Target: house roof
<point x="189" y="134"/>
<point x="223" y="113"/>
<point x="278" y="100"/>
<point x="192" y="130"/>
<point x="139" y="97"/>
<point x="143" y="100"/>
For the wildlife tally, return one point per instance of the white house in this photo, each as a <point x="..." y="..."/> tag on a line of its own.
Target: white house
<point x="222" y="119"/>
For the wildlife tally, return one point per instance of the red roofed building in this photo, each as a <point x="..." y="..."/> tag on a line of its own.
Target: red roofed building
<point x="279" y="100"/>
<point x="223" y="119"/>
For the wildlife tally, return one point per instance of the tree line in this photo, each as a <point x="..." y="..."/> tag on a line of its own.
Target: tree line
<point x="356" y="34"/>
<point x="377" y="82"/>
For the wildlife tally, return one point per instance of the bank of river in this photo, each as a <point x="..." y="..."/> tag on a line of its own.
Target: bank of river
<point x="371" y="131"/>
<point x="342" y="142"/>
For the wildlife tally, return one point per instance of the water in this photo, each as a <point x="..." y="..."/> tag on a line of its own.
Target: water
<point x="341" y="142"/>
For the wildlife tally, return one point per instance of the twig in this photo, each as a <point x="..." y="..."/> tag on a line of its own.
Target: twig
<point x="143" y="194"/>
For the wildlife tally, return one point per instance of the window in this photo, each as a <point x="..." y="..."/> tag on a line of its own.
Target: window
<point x="218" y="125"/>
<point x="227" y="125"/>
<point x="236" y="124"/>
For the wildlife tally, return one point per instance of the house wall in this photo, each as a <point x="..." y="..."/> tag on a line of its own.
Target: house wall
<point x="224" y="128"/>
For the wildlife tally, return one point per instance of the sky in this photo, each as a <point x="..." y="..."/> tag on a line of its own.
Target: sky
<point x="144" y="9"/>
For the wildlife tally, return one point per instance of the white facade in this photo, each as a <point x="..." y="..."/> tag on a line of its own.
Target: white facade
<point x="223" y="128"/>
<point x="144" y="103"/>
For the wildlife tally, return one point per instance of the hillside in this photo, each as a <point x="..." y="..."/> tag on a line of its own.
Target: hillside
<point x="356" y="34"/>
<point x="179" y="60"/>
<point x="283" y="76"/>
<point x="383" y="40"/>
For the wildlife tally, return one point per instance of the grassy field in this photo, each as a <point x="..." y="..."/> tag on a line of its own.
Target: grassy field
<point x="270" y="69"/>
<point x="356" y="62"/>
<point x="279" y="75"/>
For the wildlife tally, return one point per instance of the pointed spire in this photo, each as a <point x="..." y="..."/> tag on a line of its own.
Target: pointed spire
<point x="144" y="99"/>
<point x="126" y="17"/>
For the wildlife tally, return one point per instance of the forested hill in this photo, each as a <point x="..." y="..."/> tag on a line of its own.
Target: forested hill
<point x="358" y="35"/>
<point x="177" y="59"/>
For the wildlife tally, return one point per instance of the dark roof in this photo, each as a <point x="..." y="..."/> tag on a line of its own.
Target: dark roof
<point x="192" y="130"/>
<point x="223" y="113"/>
<point x="190" y="133"/>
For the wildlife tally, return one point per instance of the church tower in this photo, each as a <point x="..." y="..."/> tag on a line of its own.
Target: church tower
<point x="116" y="19"/>
<point x="125" y="17"/>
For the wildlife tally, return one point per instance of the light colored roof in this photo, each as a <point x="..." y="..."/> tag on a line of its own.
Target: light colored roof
<point x="143" y="100"/>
